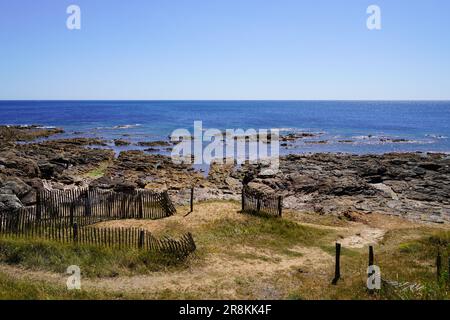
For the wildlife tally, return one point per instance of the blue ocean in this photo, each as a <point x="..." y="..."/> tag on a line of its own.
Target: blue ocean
<point x="341" y="126"/>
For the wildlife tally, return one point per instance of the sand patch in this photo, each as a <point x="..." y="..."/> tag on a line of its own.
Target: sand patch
<point x="364" y="237"/>
<point x="206" y="213"/>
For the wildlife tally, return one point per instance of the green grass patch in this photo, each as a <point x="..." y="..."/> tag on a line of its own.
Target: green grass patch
<point x="345" y="252"/>
<point x="270" y="233"/>
<point x="409" y="247"/>
<point x="427" y="247"/>
<point x="13" y="289"/>
<point x="412" y="262"/>
<point x="98" y="172"/>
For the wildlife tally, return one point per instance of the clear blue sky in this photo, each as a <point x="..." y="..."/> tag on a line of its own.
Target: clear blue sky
<point x="225" y="49"/>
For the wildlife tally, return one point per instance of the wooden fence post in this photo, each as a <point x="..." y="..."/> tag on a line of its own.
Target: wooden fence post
<point x="16" y="222"/>
<point x="71" y="213"/>
<point x="141" y="211"/>
<point x="370" y="256"/>
<point x="448" y="272"/>
<point x="165" y="202"/>
<point x="438" y="265"/>
<point x="337" y="270"/>
<point x="38" y="205"/>
<point x="280" y="206"/>
<point x="370" y="264"/>
<point x="75" y="232"/>
<point x="192" y="199"/>
<point x="87" y="204"/>
<point x="243" y="200"/>
<point x="141" y="239"/>
<point x="110" y="203"/>
<point x="258" y="204"/>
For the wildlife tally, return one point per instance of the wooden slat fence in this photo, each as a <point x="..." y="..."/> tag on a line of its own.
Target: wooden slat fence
<point x="100" y="204"/>
<point x="67" y="216"/>
<point x="255" y="202"/>
<point x="25" y="220"/>
<point x="107" y="237"/>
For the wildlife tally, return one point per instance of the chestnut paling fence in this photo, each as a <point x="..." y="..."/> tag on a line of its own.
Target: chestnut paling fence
<point x="69" y="216"/>
<point x="96" y="203"/>
<point x="255" y="202"/>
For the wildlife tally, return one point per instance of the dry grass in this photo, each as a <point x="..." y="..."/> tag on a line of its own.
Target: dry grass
<point x="204" y="214"/>
<point x="246" y="257"/>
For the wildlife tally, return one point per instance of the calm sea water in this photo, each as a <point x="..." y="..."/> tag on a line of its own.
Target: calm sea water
<point x="365" y="126"/>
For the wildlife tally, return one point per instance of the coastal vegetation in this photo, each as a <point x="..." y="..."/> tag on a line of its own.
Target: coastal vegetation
<point x="240" y="256"/>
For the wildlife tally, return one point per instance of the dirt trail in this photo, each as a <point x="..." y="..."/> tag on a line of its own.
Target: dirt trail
<point x="218" y="272"/>
<point x="18" y="272"/>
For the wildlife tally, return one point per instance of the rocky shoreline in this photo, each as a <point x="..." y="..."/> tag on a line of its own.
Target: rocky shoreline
<point x="413" y="185"/>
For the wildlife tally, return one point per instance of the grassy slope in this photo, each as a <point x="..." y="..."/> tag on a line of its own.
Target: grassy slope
<point x="93" y="261"/>
<point x="410" y="261"/>
<point x="407" y="253"/>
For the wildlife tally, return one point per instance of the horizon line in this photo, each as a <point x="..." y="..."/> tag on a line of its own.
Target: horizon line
<point x="212" y="100"/>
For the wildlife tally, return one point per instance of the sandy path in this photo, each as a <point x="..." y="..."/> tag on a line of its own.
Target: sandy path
<point x="218" y="271"/>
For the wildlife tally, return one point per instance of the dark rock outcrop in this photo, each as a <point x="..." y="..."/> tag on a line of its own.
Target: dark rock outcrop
<point x="154" y="144"/>
<point x="415" y="185"/>
<point x="15" y="193"/>
<point x="9" y="203"/>
<point x="120" y="142"/>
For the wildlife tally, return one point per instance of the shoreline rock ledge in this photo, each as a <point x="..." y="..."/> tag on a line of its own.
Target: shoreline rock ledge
<point x="412" y="185"/>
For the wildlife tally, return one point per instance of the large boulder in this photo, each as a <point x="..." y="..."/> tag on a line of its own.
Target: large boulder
<point x="104" y="182"/>
<point x="303" y="182"/>
<point x="15" y="186"/>
<point x="260" y="188"/>
<point x="345" y="186"/>
<point x="49" y="170"/>
<point x="125" y="187"/>
<point x="19" y="164"/>
<point x="9" y="202"/>
<point x="116" y="184"/>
